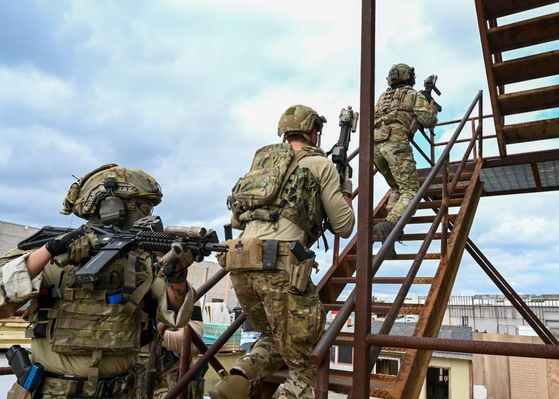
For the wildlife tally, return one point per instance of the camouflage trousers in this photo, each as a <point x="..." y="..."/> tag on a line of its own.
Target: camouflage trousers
<point x="394" y="160"/>
<point x="290" y="324"/>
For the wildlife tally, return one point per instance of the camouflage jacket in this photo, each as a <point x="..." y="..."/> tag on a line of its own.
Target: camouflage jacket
<point x="405" y="108"/>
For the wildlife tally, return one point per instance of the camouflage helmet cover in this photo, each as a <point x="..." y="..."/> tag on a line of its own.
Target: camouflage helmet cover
<point x="299" y="119"/>
<point x="83" y="197"/>
<point x="401" y="73"/>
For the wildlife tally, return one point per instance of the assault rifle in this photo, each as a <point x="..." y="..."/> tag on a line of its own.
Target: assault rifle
<point x="348" y="122"/>
<point x="147" y="233"/>
<point x="430" y="85"/>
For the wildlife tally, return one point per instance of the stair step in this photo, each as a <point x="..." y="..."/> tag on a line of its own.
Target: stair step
<point x="460" y="188"/>
<point x="412" y="237"/>
<point x="381" y="307"/>
<point x="341" y="381"/>
<point x="529" y="100"/>
<point x="429" y="256"/>
<point x="526" y="68"/>
<point x="437" y="204"/>
<point x="524" y="33"/>
<point x="419" y="219"/>
<point x="530" y="131"/>
<point x="495" y="9"/>
<point x="381" y="280"/>
<point x="466" y="176"/>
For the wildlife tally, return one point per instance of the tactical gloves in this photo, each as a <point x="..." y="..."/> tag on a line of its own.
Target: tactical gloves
<point x="175" y="263"/>
<point x="76" y="244"/>
<point x="347" y="185"/>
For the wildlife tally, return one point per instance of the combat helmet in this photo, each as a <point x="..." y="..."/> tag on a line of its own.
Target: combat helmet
<point x="111" y="182"/>
<point x="401" y="73"/>
<point x="299" y="119"/>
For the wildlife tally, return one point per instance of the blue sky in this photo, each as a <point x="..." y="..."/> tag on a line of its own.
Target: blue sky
<point x="188" y="90"/>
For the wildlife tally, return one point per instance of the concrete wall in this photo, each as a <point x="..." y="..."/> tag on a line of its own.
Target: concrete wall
<point x="223" y="291"/>
<point x="11" y="234"/>
<point x="516" y="377"/>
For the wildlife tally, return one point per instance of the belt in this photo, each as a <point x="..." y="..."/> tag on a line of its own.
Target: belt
<point x="106" y="386"/>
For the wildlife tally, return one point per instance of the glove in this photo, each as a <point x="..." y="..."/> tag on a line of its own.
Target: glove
<point x="76" y="244"/>
<point x="347" y="185"/>
<point x="176" y="262"/>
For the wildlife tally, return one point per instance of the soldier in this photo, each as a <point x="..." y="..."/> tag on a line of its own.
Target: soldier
<point x="281" y="202"/>
<point x="172" y="345"/>
<point x="88" y="336"/>
<point x="398" y="113"/>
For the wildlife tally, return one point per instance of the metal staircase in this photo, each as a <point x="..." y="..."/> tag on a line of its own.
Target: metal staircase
<point x="495" y="41"/>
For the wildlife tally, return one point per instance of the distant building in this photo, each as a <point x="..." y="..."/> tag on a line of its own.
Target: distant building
<point x="449" y="374"/>
<point x="11" y="234"/>
<point x="494" y="314"/>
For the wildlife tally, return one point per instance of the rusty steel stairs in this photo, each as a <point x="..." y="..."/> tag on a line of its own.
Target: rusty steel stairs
<point x="497" y="44"/>
<point x="464" y="199"/>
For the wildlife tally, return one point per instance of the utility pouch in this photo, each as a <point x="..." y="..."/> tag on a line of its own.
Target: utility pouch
<point x="18" y="392"/>
<point x="244" y="254"/>
<point x="381" y="133"/>
<point x="300" y="275"/>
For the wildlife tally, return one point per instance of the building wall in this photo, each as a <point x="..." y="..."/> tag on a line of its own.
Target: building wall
<point x="11" y="234"/>
<point x="223" y="291"/>
<point x="460" y="383"/>
<point x="515" y="377"/>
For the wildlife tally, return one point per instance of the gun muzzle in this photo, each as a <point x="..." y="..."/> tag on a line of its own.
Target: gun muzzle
<point x="187" y="232"/>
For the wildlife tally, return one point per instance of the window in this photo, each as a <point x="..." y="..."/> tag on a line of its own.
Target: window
<point x="465" y="321"/>
<point x="345" y="354"/>
<point x="387" y="366"/>
<point x="333" y="354"/>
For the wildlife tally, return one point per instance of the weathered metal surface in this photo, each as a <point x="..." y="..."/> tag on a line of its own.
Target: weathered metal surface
<point x="206" y="357"/>
<point x="524" y="33"/>
<point x="496" y="9"/>
<point x="529" y="100"/>
<point x="531" y="131"/>
<point x="437" y="204"/>
<point x="466" y="346"/>
<point x="361" y="381"/>
<point x="526" y="68"/>
<point x="383" y="280"/>
<point x="414" y="366"/>
<point x="498" y="119"/>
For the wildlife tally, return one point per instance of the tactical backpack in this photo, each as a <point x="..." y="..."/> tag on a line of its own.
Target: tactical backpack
<point x="276" y="186"/>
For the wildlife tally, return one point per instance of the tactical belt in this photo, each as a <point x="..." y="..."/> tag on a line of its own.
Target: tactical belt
<point x="106" y="387"/>
<point x="271" y="249"/>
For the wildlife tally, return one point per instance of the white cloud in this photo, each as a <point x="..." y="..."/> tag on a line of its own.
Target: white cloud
<point x="32" y="88"/>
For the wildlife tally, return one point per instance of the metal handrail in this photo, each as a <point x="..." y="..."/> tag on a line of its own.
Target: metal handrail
<point x="330" y="335"/>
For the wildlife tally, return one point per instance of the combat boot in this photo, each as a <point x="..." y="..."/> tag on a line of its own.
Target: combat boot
<point x="231" y="387"/>
<point x="382" y="230"/>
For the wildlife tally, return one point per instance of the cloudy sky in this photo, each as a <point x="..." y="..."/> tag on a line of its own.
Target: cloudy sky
<point x="188" y="90"/>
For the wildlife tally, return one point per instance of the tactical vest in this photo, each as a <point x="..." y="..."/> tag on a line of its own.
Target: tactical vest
<point x="95" y="320"/>
<point x="276" y="186"/>
<point x="391" y="108"/>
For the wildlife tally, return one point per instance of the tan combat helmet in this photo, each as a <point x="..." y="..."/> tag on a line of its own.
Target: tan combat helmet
<point x="401" y="73"/>
<point x="84" y="197"/>
<point x="299" y="119"/>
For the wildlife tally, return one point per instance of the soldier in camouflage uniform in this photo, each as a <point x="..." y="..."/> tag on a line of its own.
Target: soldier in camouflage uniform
<point x="283" y="199"/>
<point x="398" y="113"/>
<point x="87" y="336"/>
<point x="172" y="344"/>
